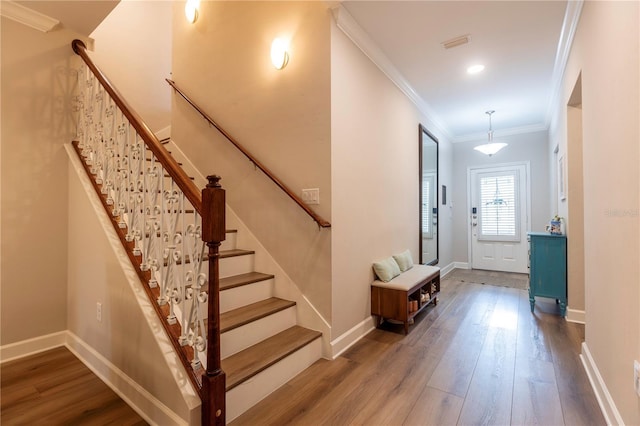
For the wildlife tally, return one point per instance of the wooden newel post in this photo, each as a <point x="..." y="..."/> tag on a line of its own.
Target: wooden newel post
<point x="213" y="232"/>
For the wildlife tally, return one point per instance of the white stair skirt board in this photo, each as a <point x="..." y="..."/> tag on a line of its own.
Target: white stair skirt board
<point x="163" y="133"/>
<point x="236" y="265"/>
<point x="249" y="393"/>
<point x="233" y="341"/>
<point x="230" y="241"/>
<point x="607" y="405"/>
<point x="245" y="295"/>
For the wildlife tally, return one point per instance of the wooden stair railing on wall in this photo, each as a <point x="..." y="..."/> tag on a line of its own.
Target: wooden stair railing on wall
<point x="128" y="166"/>
<point x="322" y="223"/>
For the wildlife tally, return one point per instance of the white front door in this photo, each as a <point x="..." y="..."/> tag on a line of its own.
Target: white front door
<point x="499" y="199"/>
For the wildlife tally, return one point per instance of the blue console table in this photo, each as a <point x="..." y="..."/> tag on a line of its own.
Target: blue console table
<point x="548" y="268"/>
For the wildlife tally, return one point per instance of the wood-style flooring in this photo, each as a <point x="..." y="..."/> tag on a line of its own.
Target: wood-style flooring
<point x="480" y="357"/>
<point x="56" y="388"/>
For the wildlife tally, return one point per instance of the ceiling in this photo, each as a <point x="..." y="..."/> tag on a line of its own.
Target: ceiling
<point x="80" y="16"/>
<point x="516" y="41"/>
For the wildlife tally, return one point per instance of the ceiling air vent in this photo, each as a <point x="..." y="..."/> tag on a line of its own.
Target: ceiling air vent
<point x="457" y="41"/>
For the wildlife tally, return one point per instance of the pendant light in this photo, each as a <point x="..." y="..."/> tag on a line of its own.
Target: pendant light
<point x="490" y="147"/>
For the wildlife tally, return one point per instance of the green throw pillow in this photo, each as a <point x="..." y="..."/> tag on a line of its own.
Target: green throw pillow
<point x="386" y="269"/>
<point x="404" y="260"/>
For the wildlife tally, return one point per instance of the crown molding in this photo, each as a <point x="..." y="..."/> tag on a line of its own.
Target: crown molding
<point x="361" y="39"/>
<point x="511" y="131"/>
<point x="568" y="32"/>
<point x="28" y="17"/>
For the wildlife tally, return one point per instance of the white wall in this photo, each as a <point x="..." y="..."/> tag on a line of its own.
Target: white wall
<point x="133" y="48"/>
<point x="606" y="53"/>
<point x="374" y="164"/>
<point x="37" y="83"/>
<point x="530" y="147"/>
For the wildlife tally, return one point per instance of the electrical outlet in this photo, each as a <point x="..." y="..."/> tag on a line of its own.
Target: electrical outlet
<point x="311" y="196"/>
<point x="636" y="376"/>
<point x="99" y="311"/>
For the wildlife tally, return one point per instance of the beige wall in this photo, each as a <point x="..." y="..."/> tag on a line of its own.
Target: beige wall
<point x="282" y="117"/>
<point x="531" y="147"/>
<point x="606" y="53"/>
<point x="129" y="334"/>
<point x="374" y="164"/>
<point x="574" y="216"/>
<point x="133" y="49"/>
<point x="36" y="121"/>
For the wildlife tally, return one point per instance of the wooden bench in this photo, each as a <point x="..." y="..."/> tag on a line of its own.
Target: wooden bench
<point x="406" y="295"/>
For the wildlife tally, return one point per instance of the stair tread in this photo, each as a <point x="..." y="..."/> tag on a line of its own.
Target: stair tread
<point x="243" y="279"/>
<point x="251" y="361"/>
<point x="252" y="312"/>
<point x="235" y="252"/>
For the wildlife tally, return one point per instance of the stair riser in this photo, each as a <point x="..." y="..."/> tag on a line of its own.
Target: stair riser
<point x="236" y="265"/>
<point x="240" y="338"/>
<point x="245" y="295"/>
<point x="230" y="241"/>
<point x="249" y="393"/>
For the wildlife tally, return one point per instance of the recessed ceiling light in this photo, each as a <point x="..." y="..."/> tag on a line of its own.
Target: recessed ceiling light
<point x="475" y="69"/>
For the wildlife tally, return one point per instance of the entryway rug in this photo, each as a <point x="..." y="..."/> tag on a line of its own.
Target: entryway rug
<point x="495" y="278"/>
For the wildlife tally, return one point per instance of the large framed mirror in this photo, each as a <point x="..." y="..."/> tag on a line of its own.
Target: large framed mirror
<point x="428" y="167"/>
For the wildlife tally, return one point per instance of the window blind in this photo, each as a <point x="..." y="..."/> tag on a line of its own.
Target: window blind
<point x="426" y="207"/>
<point x="498" y="206"/>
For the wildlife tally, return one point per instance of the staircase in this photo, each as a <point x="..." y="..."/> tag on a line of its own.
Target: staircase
<point x="261" y="346"/>
<point x="173" y="235"/>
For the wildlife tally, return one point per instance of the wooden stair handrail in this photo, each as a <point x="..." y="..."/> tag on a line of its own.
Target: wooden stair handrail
<point x="322" y="223"/>
<point x="188" y="188"/>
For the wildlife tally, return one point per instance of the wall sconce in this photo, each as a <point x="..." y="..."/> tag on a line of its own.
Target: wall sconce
<point x="191" y="9"/>
<point x="279" y="53"/>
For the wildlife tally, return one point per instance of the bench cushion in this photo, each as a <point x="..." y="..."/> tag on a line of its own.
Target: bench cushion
<point x="410" y="278"/>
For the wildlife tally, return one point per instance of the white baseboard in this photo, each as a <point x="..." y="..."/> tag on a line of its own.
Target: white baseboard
<point x="576" y="315"/>
<point x="32" y="346"/>
<point x="461" y="265"/>
<point x="450" y="267"/>
<point x="607" y="405"/>
<point x="349" y="338"/>
<point x="146" y="405"/>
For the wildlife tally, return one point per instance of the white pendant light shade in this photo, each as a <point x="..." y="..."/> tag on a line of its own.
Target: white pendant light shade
<point x="490" y="147"/>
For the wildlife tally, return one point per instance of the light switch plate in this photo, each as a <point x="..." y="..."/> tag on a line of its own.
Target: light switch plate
<point x="311" y="196"/>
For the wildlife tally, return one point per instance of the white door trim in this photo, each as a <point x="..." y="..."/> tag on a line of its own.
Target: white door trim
<point x="527" y="223"/>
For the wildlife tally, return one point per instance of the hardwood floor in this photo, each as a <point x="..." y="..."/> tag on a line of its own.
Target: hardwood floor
<point x="55" y="388"/>
<point x="478" y="357"/>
